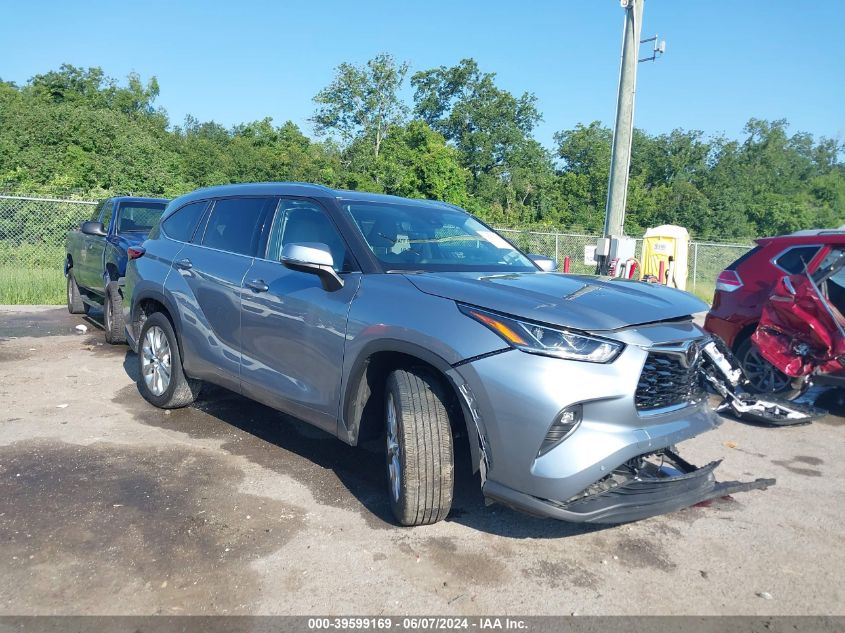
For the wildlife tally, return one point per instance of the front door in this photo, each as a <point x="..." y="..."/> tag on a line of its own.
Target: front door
<point x="94" y="246"/>
<point x="293" y="330"/>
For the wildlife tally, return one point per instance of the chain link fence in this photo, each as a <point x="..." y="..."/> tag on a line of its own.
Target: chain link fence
<point x="705" y="259"/>
<point x="32" y="238"/>
<point x="33" y="229"/>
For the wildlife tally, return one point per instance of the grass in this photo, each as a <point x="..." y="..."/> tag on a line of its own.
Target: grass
<point x="43" y="286"/>
<point x="46" y="286"/>
<point x="703" y="291"/>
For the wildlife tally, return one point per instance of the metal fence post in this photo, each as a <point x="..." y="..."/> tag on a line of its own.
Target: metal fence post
<point x="694" y="265"/>
<point x="557" y="250"/>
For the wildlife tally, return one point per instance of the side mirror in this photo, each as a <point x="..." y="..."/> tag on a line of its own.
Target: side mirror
<point x="93" y="228"/>
<point x="546" y="264"/>
<point x="314" y="258"/>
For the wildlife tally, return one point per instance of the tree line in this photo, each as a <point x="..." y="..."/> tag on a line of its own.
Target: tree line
<point x="461" y="138"/>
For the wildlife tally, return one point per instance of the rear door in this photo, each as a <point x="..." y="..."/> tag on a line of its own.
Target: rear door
<point x="294" y="331"/>
<point x="206" y="283"/>
<point x="802" y="328"/>
<point x="166" y="241"/>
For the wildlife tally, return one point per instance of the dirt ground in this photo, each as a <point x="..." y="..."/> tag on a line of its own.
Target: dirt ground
<point x="110" y="506"/>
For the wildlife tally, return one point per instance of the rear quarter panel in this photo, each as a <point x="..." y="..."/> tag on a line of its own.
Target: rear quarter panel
<point x="734" y="314"/>
<point x="146" y="276"/>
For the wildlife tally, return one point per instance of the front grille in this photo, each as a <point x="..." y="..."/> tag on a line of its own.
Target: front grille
<point x="666" y="381"/>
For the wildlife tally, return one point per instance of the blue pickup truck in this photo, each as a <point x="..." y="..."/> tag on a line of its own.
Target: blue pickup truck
<point x="96" y="256"/>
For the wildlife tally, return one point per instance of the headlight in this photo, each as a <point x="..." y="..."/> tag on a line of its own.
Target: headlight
<point x="542" y="339"/>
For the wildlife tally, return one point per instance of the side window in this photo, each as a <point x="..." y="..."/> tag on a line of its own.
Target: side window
<point x="108" y="212"/>
<point x="235" y="225"/>
<point x="182" y="224"/>
<point x="139" y="216"/>
<point x="830" y="261"/>
<point x="834" y="284"/>
<point x="300" y="221"/>
<point x="793" y="260"/>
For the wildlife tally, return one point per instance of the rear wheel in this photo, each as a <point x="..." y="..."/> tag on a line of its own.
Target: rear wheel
<point x="765" y="377"/>
<point x="419" y="453"/>
<point x="161" y="379"/>
<point x="75" y="304"/>
<point x="113" y="315"/>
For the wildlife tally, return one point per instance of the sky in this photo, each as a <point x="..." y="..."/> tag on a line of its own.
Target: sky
<point x="232" y="62"/>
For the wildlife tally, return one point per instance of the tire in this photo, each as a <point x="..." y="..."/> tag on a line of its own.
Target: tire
<point x="157" y="341"/>
<point x="420" y="463"/>
<point x="113" y="315"/>
<point x="75" y="304"/>
<point x="763" y="377"/>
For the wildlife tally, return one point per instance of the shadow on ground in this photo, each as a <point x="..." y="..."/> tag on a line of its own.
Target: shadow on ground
<point x="337" y="474"/>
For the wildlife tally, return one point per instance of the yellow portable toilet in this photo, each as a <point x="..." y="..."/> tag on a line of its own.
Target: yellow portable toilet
<point x="662" y="243"/>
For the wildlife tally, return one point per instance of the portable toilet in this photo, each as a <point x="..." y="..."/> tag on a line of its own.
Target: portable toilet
<point x="668" y="244"/>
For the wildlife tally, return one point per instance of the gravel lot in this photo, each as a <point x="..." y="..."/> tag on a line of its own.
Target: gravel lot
<point x="110" y="506"/>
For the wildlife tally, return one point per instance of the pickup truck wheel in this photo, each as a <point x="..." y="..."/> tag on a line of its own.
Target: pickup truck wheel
<point x="75" y="304"/>
<point x="419" y="448"/>
<point x="113" y="315"/>
<point x="765" y="378"/>
<point x="161" y="380"/>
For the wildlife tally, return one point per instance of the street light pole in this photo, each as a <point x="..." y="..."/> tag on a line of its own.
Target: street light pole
<point x="620" y="161"/>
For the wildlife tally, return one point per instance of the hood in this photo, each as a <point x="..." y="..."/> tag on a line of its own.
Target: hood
<point x="574" y="301"/>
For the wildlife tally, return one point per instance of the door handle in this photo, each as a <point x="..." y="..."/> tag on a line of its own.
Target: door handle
<point x="183" y="264"/>
<point x="257" y="285"/>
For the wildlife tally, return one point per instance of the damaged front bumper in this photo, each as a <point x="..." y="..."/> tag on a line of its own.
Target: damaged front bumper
<point x="724" y="375"/>
<point x="609" y="462"/>
<point x="646" y="486"/>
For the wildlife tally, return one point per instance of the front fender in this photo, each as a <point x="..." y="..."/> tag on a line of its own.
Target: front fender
<point x="389" y="314"/>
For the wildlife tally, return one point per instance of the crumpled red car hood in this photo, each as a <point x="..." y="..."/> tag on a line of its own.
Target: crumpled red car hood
<point x="796" y="333"/>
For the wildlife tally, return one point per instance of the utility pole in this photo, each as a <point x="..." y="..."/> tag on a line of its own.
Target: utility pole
<point x="620" y="159"/>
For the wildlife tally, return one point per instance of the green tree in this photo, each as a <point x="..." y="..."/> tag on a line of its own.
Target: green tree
<point x="362" y="101"/>
<point x="75" y="131"/>
<point x="487" y="124"/>
<point x="417" y="163"/>
<point x="584" y="153"/>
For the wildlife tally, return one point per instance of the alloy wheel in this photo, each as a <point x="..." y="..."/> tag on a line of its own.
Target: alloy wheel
<point x="394" y="464"/>
<point x="764" y="376"/>
<point x="155" y="360"/>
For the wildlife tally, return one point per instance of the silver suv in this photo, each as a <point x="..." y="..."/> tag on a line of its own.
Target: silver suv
<point x="376" y="316"/>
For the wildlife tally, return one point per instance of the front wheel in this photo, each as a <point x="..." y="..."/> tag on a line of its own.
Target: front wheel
<point x="765" y="378"/>
<point x="161" y="380"/>
<point x="418" y="435"/>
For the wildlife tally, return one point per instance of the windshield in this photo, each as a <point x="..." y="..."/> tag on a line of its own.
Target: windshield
<point x="431" y="238"/>
<point x="139" y="216"/>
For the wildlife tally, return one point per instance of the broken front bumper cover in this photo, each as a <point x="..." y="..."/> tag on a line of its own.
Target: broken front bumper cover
<point x="721" y="371"/>
<point x="637" y="490"/>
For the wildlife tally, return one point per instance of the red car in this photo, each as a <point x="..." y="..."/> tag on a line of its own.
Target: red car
<point x="744" y="288"/>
